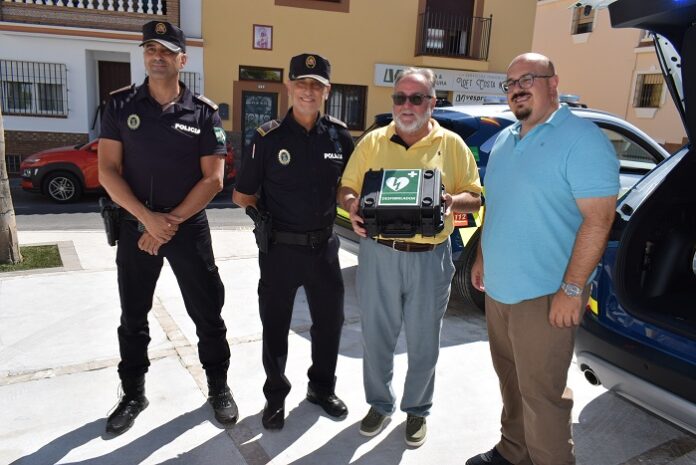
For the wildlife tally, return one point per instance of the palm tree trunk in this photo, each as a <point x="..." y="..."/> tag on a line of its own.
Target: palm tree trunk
<point x="9" y="245"/>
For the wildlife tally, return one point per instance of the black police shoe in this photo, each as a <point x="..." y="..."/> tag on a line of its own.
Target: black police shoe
<point x="124" y="415"/>
<point x="220" y="398"/>
<point x="492" y="457"/>
<point x="273" y="416"/>
<point x="331" y="404"/>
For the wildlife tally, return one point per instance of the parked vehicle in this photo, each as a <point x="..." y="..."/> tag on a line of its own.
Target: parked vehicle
<point x="638" y="336"/>
<point x="479" y="126"/>
<point x="65" y="173"/>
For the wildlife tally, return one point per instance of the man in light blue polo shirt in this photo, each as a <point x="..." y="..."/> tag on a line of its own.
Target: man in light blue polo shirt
<point x="551" y="184"/>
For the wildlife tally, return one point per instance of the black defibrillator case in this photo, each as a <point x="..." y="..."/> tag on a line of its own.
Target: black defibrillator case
<point x="402" y="203"/>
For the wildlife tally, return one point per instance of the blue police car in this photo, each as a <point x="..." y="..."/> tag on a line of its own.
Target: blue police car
<point x="638" y="336"/>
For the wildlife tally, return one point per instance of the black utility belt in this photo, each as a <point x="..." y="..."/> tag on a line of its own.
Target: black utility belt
<point x="311" y="239"/>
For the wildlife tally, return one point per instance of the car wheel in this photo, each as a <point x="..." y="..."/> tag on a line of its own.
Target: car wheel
<point x="62" y="187"/>
<point x="471" y="297"/>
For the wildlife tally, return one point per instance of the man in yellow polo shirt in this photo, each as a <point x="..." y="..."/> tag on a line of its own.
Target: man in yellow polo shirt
<point x="407" y="281"/>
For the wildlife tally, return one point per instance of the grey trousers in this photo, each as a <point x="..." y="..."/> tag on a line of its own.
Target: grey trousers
<point x="395" y="288"/>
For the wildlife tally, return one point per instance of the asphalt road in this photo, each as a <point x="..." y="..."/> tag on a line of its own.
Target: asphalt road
<point x="35" y="212"/>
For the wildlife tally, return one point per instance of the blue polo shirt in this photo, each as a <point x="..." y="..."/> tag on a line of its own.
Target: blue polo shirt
<point x="531" y="213"/>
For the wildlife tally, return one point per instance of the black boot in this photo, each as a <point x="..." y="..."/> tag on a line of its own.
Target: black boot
<point x="220" y="397"/>
<point x="132" y="403"/>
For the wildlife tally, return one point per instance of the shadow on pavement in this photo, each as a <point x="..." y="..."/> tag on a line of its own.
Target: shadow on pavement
<point x="611" y="428"/>
<point x="133" y="452"/>
<point x="341" y="448"/>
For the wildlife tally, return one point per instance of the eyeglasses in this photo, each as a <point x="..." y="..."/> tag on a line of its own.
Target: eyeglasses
<point x="416" y="99"/>
<point x="525" y="82"/>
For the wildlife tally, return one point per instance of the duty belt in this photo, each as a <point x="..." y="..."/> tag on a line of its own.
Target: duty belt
<point x="403" y="246"/>
<point x="311" y="239"/>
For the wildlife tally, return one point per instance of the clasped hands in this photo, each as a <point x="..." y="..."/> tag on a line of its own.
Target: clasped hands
<point x="159" y="229"/>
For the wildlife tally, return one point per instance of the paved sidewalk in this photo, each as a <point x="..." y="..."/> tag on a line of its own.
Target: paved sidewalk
<point x="58" y="380"/>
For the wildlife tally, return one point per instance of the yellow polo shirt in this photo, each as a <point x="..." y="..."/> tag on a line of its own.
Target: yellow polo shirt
<point x="441" y="149"/>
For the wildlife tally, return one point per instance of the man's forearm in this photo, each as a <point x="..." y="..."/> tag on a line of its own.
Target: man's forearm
<point x="346" y="196"/>
<point x="466" y="202"/>
<point x="244" y="200"/>
<point x="121" y="193"/>
<point x="199" y="197"/>
<point x="590" y="243"/>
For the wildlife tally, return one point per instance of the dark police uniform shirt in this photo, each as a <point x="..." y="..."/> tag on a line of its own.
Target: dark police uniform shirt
<point x="297" y="171"/>
<point x="162" y="149"/>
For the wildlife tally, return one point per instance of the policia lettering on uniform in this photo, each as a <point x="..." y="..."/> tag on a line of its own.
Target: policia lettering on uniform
<point x="288" y="184"/>
<point x="161" y="157"/>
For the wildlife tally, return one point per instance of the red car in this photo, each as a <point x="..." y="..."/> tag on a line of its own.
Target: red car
<point x="65" y="173"/>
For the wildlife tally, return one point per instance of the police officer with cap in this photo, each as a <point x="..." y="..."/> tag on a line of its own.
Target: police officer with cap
<point x="161" y="158"/>
<point x="292" y="173"/>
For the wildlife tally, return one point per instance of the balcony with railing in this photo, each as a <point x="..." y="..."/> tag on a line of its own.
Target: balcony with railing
<point x="454" y="36"/>
<point x="119" y="15"/>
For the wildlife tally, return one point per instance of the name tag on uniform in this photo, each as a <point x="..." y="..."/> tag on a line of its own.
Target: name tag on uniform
<point x="333" y="156"/>
<point x="185" y="128"/>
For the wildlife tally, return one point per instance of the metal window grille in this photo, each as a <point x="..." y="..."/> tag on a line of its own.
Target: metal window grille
<point x="583" y="19"/>
<point x="12" y="163"/>
<point x="445" y="34"/>
<point x="33" y="88"/>
<point x="648" y="91"/>
<point x="191" y="80"/>
<point x="347" y="103"/>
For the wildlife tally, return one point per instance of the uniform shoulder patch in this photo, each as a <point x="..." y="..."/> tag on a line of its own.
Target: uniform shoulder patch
<point x="207" y="101"/>
<point x="336" y="121"/>
<point x="123" y="89"/>
<point x="268" y="127"/>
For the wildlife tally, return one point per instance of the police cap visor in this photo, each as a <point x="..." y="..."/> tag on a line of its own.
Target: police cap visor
<point x="166" y="34"/>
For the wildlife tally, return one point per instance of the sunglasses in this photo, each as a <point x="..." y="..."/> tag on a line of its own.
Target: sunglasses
<point x="415" y="99"/>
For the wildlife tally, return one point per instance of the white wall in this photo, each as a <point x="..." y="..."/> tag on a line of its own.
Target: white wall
<point x="79" y="54"/>
<point x="190" y="18"/>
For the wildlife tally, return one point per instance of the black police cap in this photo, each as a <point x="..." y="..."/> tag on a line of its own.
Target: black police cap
<point x="166" y="34"/>
<point x="312" y="66"/>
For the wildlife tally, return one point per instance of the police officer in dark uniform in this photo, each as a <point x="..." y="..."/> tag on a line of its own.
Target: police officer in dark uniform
<point x="161" y="158"/>
<point x="291" y="174"/>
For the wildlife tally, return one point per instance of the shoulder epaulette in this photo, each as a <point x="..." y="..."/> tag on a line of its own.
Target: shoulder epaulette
<point x="122" y="89"/>
<point x="207" y="101"/>
<point x="268" y="127"/>
<point x="336" y="121"/>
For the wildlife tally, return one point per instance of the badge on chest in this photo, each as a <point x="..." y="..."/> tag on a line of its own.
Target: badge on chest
<point x="284" y="157"/>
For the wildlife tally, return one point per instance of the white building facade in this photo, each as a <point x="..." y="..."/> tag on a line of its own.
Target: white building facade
<point x="60" y="59"/>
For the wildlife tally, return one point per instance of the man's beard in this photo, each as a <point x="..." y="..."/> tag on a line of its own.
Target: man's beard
<point x="415" y="126"/>
<point x="521" y="113"/>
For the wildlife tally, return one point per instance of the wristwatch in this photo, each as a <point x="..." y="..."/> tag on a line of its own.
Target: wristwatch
<point x="571" y="290"/>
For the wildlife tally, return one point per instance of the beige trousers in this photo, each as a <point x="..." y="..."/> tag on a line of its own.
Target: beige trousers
<point x="531" y="359"/>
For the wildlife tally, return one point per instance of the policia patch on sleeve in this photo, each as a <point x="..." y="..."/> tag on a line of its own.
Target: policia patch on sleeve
<point x="220" y="136"/>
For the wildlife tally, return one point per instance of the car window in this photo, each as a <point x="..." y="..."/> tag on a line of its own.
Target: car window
<point x="629" y="153"/>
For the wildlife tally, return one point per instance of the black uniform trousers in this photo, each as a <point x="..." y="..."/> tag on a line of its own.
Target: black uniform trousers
<point x="284" y="268"/>
<point x="190" y="255"/>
